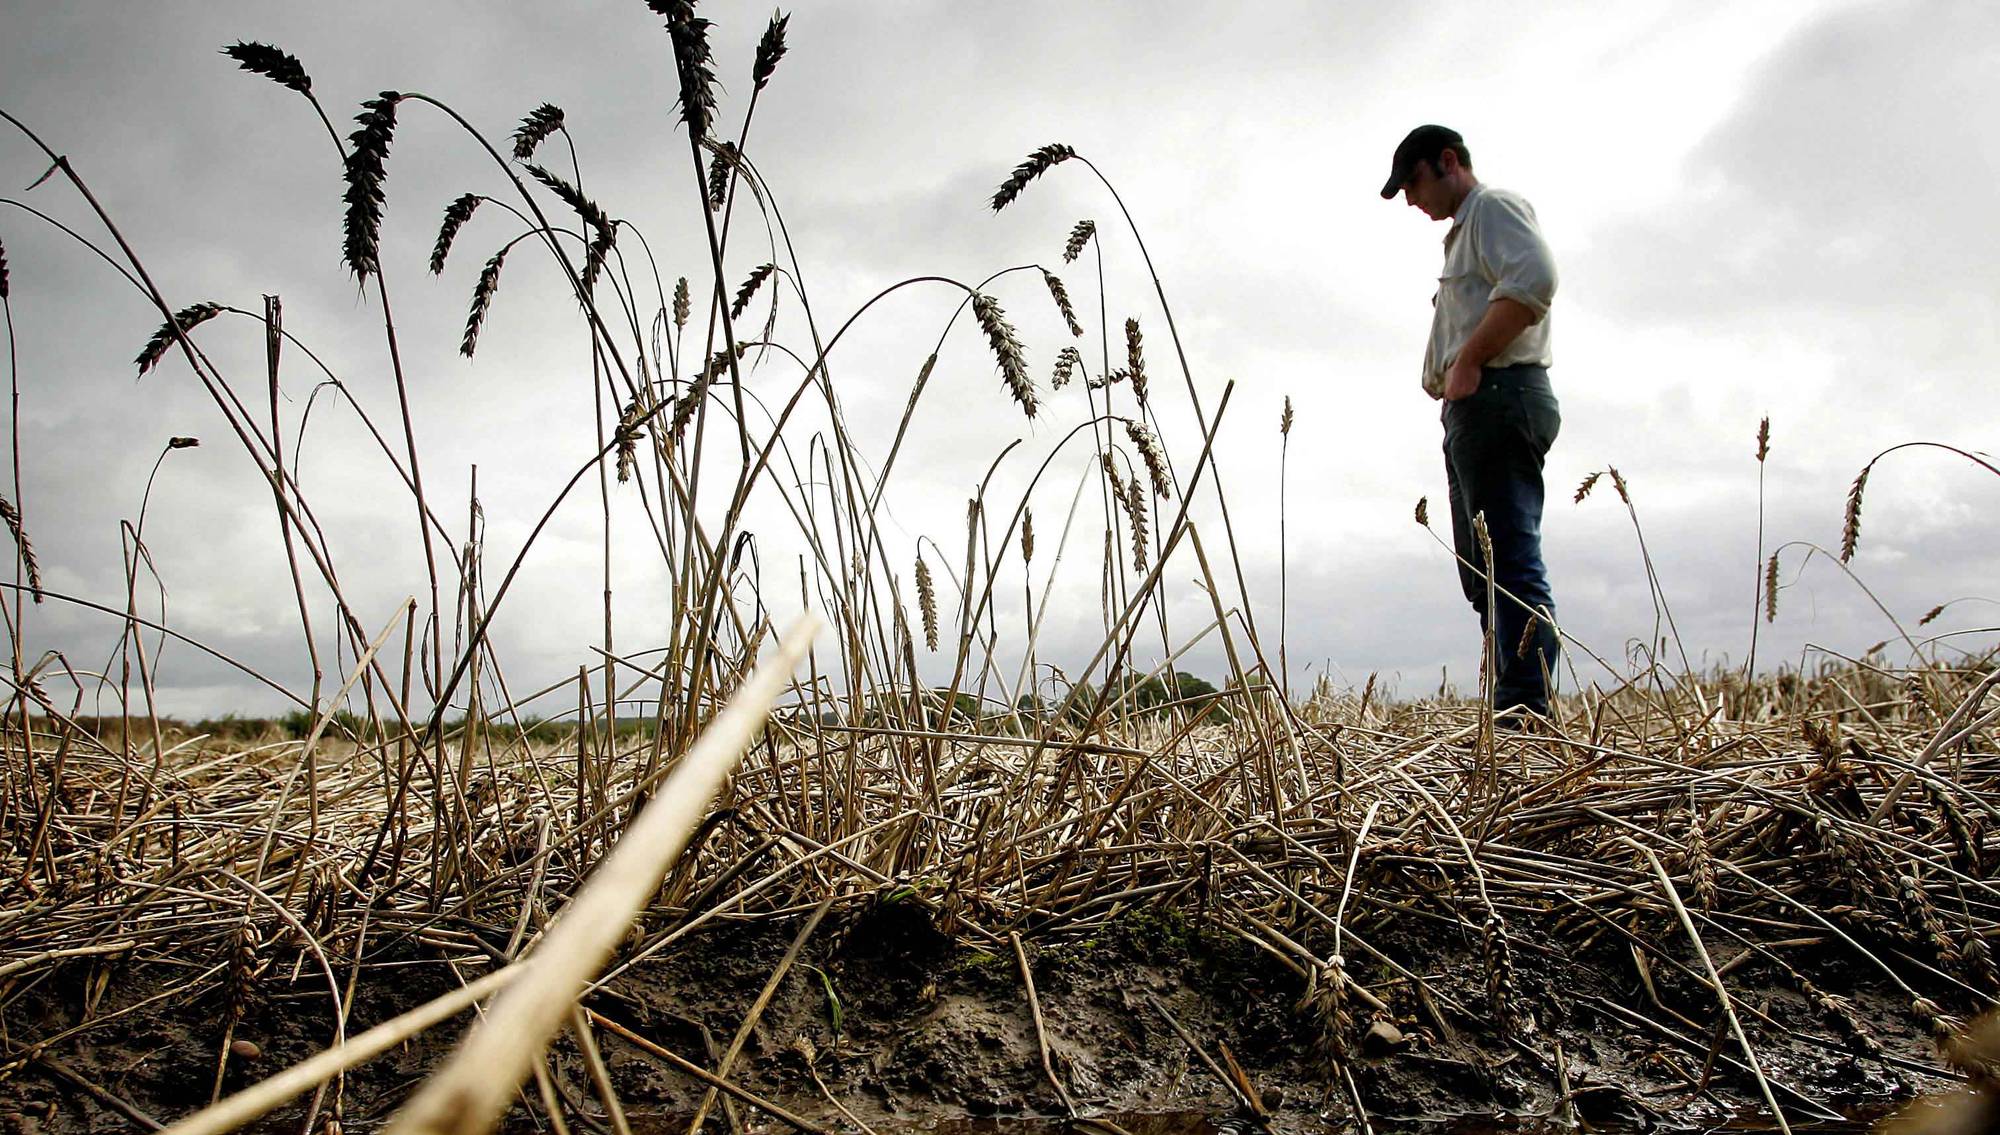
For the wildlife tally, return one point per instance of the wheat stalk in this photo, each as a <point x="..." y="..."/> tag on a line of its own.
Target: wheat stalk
<point x="1007" y="349"/>
<point x="1285" y="419"/>
<point x="3" y="270"/>
<point x="455" y="216"/>
<point x="1078" y="237"/>
<point x="541" y="122"/>
<point x="278" y="66"/>
<point x="1423" y="513"/>
<point x="1027" y="535"/>
<point x="1771" y="589"/>
<point x="368" y="149"/>
<point x="1763" y="439"/>
<point x="1135" y="360"/>
<point x="1031" y="167"/>
<point x="1588" y="484"/>
<point x="681" y="302"/>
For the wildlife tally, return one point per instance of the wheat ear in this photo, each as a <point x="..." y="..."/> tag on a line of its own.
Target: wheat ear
<point x="770" y="49"/>
<point x="927" y="604"/>
<point x="1061" y="295"/>
<point x="1850" y="528"/>
<point x="455" y="216"/>
<point x="1067" y="360"/>
<point x="1031" y="167"/>
<point x="1007" y="349"/>
<point x="368" y="150"/>
<point x="541" y="122"/>
<point x="278" y="66"/>
<point x="1135" y="359"/>
<point x="187" y="319"/>
<point x="12" y="516"/>
<point x="1078" y="237"/>
<point x="1151" y="454"/>
<point x="749" y="289"/>
<point x="689" y="34"/>
<point x="482" y="299"/>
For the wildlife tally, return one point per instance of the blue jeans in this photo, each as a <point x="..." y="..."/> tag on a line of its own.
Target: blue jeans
<point x="1494" y="444"/>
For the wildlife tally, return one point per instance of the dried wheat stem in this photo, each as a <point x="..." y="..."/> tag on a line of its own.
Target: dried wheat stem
<point x="467" y="1094"/>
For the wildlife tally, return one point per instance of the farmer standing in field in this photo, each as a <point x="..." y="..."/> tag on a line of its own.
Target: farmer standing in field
<point x="1488" y="360"/>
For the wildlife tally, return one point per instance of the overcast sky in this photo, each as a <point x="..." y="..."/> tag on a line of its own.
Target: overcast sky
<point x="1778" y="209"/>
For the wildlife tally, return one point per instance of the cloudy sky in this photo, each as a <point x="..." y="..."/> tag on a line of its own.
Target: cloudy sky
<point x="1775" y="209"/>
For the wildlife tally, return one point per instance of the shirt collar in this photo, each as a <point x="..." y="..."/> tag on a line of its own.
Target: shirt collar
<point x="1464" y="207"/>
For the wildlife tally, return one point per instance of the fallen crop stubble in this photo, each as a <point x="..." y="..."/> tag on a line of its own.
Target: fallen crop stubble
<point x="1845" y="812"/>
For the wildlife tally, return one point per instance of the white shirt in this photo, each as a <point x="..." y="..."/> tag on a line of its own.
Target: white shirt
<point x="1493" y="251"/>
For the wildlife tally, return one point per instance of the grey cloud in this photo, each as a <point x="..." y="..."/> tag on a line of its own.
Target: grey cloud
<point x="1839" y="184"/>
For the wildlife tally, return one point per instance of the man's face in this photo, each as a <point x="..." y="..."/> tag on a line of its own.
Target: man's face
<point x="1426" y="190"/>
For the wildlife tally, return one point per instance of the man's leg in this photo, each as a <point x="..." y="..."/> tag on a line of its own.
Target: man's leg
<point x="1495" y="455"/>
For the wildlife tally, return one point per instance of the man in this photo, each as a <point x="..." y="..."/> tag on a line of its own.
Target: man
<point x="1488" y="362"/>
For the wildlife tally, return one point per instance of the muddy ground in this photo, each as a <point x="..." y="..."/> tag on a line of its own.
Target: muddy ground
<point x="905" y="1027"/>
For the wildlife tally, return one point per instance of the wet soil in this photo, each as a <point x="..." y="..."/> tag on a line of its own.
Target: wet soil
<point x="902" y="1026"/>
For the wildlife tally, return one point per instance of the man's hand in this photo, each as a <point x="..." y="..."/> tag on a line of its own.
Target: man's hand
<point x="1461" y="381"/>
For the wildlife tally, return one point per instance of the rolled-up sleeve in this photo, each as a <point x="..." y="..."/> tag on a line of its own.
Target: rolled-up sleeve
<point x="1513" y="254"/>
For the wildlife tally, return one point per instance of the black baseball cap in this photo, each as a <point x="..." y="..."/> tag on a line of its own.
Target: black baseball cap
<point x="1423" y="144"/>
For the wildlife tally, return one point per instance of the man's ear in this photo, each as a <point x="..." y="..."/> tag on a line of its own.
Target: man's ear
<point x="1448" y="161"/>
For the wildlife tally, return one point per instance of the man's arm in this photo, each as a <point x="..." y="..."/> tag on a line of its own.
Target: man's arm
<point x="1504" y="319"/>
